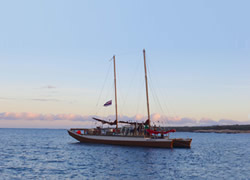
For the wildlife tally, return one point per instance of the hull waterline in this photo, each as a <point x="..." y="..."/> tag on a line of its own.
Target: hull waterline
<point x="122" y="141"/>
<point x="182" y="143"/>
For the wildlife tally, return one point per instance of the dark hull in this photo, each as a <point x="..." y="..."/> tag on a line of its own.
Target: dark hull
<point x="182" y="143"/>
<point x="122" y="141"/>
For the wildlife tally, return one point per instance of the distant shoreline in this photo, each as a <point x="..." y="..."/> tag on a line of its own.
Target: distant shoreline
<point x="228" y="131"/>
<point x="232" y="129"/>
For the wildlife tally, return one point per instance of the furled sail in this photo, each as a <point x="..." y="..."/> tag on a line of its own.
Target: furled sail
<point x="105" y="122"/>
<point x="160" y="132"/>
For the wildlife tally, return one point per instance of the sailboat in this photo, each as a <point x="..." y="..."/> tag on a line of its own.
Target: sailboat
<point x="149" y="139"/>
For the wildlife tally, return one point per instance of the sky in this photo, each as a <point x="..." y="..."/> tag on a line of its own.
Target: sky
<point x="56" y="70"/>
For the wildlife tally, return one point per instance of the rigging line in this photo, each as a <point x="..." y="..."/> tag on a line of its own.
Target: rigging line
<point x="157" y="102"/>
<point x="109" y="95"/>
<point x="101" y="106"/>
<point x="154" y="93"/>
<point x="140" y="84"/>
<point x="101" y="92"/>
<point x="154" y="96"/>
<point x="130" y="85"/>
<point x="128" y="53"/>
<point x="120" y="91"/>
<point x="108" y="110"/>
<point x="114" y="98"/>
<point x="120" y="97"/>
<point x="174" y="112"/>
<point x="165" y="99"/>
<point x="108" y="72"/>
<point x="152" y="83"/>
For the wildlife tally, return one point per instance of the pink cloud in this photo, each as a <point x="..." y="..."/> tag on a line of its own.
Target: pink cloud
<point x="37" y="116"/>
<point x="156" y="119"/>
<point x="139" y="117"/>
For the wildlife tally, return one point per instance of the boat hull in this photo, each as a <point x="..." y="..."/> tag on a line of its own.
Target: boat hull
<point x="182" y="143"/>
<point x="122" y="141"/>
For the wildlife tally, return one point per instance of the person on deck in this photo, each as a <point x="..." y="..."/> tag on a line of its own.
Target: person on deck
<point x="131" y="130"/>
<point x="123" y="131"/>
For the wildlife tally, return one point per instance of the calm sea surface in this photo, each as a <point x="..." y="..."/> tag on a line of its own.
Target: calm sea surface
<point x="53" y="154"/>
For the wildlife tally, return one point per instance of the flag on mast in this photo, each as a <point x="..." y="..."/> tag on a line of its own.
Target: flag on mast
<point x="108" y="103"/>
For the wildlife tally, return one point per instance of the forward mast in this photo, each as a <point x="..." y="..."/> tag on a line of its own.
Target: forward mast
<point x="116" y="113"/>
<point x="146" y="84"/>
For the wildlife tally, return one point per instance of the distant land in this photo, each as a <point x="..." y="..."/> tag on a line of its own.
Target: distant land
<point x="214" y="129"/>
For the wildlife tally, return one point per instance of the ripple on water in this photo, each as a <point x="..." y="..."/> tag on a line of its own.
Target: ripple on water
<point x="52" y="154"/>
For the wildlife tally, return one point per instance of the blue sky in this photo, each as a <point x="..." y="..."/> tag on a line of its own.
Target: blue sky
<point x="54" y="56"/>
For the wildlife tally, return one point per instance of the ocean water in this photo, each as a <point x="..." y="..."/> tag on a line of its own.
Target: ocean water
<point x="53" y="154"/>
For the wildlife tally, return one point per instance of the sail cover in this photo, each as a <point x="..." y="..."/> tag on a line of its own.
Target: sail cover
<point x="105" y="122"/>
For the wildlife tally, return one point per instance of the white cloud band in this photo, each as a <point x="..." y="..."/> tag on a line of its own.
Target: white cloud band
<point x="156" y="118"/>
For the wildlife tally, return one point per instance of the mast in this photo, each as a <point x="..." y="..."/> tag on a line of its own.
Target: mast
<point x="146" y="83"/>
<point x="116" y="114"/>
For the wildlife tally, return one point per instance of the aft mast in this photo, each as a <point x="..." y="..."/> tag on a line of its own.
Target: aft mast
<point x="116" y="114"/>
<point x="146" y="83"/>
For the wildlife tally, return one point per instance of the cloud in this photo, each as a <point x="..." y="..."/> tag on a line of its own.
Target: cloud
<point x="184" y="122"/>
<point x="139" y="117"/>
<point x="38" y="116"/>
<point x="33" y="99"/>
<point x="156" y="119"/>
<point x="4" y="98"/>
<point x="207" y="122"/>
<point x="228" y="121"/>
<point x="40" y="99"/>
<point x="48" y="87"/>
